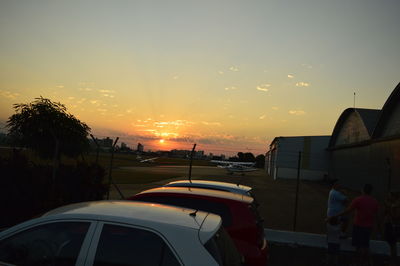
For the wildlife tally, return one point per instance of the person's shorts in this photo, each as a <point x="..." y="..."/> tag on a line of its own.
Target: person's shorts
<point x="333" y="248"/>
<point x="361" y="236"/>
<point x="344" y="218"/>
<point x="392" y="233"/>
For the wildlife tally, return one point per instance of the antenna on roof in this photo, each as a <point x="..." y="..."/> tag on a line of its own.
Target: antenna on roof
<point x="193" y="214"/>
<point x="354" y="101"/>
<point x="191" y="161"/>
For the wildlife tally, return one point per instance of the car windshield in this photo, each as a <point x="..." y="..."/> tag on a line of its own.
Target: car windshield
<point x="221" y="247"/>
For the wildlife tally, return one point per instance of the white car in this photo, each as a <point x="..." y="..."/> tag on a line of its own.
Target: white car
<point x="224" y="186"/>
<point x="119" y="233"/>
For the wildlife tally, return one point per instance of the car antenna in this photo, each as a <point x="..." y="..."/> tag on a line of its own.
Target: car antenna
<point x="191" y="161"/>
<point x="193" y="214"/>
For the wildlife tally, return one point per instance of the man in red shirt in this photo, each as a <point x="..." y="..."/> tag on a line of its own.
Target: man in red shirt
<point x="366" y="211"/>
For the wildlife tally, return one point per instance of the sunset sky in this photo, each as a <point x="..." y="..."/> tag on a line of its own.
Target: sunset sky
<point x="227" y="75"/>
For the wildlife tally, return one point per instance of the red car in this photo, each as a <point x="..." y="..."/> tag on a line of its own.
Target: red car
<point x="238" y="212"/>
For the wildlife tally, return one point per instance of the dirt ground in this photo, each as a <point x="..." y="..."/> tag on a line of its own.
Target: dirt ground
<point x="276" y="198"/>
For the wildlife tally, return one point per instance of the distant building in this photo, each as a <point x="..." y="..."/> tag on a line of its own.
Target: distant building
<point x="180" y="153"/>
<point x="198" y="154"/>
<point x="365" y="147"/>
<point x="281" y="160"/>
<point x="140" y="147"/>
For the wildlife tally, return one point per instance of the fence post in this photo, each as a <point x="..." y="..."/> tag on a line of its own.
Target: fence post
<point x="110" y="170"/>
<point x="389" y="174"/>
<point x="97" y="148"/>
<point x="191" y="161"/>
<point x="297" y="192"/>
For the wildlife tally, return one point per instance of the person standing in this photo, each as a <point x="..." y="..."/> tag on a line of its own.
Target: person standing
<point x="336" y="204"/>
<point x="333" y="241"/>
<point x="366" y="212"/>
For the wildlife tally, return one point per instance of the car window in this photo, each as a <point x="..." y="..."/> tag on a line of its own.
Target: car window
<point x="221" y="247"/>
<point x="194" y="203"/>
<point x="121" y="245"/>
<point x="56" y="243"/>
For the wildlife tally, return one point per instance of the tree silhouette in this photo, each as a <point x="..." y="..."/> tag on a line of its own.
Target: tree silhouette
<point x="47" y="128"/>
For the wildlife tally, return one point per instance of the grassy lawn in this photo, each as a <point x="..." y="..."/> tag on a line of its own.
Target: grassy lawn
<point x="122" y="176"/>
<point x="120" y="159"/>
<point x="119" y="176"/>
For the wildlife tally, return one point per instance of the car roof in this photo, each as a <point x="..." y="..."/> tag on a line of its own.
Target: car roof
<point x="157" y="216"/>
<point x="200" y="192"/>
<point x="211" y="184"/>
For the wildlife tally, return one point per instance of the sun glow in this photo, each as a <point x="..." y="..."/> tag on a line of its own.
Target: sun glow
<point x="162" y="141"/>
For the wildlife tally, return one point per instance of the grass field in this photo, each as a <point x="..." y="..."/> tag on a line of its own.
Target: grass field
<point x="119" y="175"/>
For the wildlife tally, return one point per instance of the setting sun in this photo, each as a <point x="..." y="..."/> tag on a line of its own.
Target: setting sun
<point x="162" y="141"/>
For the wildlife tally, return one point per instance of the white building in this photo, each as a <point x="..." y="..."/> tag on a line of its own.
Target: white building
<point x="282" y="159"/>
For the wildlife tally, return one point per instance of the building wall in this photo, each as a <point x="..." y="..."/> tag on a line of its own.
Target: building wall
<point x="305" y="174"/>
<point x="283" y="159"/>
<point x="392" y="126"/>
<point x="352" y="131"/>
<point x="377" y="164"/>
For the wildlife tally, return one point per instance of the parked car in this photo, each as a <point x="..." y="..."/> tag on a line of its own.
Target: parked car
<point x="224" y="186"/>
<point x="119" y="233"/>
<point x="217" y="185"/>
<point x="238" y="212"/>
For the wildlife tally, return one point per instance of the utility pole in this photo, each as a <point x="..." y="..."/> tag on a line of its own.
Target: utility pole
<point x="297" y="192"/>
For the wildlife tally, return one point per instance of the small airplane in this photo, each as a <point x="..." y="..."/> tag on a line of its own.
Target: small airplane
<point x="150" y="160"/>
<point x="236" y="167"/>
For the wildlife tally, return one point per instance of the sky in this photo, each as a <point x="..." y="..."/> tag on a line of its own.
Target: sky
<point x="227" y="75"/>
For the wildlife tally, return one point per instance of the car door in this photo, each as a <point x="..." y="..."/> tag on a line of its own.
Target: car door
<point x="60" y="242"/>
<point x="123" y="245"/>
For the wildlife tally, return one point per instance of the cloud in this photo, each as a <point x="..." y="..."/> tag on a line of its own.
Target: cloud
<point x="211" y="123"/>
<point x="263" y="87"/>
<point x="234" y="69"/>
<point x="81" y="101"/>
<point x="108" y="95"/>
<point x="221" y="72"/>
<point x="59" y="86"/>
<point x="85" y="89"/>
<point x="307" y="66"/>
<point x="297" y="112"/>
<point x="106" y="91"/>
<point x="290" y="76"/>
<point x="230" y="88"/>
<point x="71" y="98"/>
<point x="8" y="94"/>
<point x="262" y="117"/>
<point x="175" y="77"/>
<point x="275" y="108"/>
<point x="302" y="84"/>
